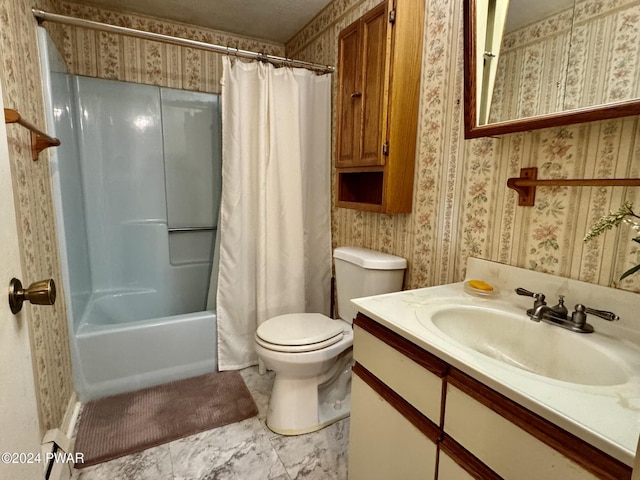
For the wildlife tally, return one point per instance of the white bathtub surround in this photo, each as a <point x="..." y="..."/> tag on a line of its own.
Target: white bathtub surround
<point x="135" y="254"/>
<point x="127" y="263"/>
<point x="275" y="227"/>
<point x="604" y="415"/>
<point x="243" y="451"/>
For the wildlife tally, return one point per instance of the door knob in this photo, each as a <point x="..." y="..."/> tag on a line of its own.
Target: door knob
<point x="38" y="293"/>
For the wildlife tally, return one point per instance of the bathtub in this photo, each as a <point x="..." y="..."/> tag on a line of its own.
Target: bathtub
<point x="136" y="256"/>
<point x="118" y="355"/>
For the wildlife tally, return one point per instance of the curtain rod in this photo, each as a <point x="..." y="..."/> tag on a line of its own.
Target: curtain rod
<point x="43" y="16"/>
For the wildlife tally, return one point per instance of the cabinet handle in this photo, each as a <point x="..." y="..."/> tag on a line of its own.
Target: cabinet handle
<point x="356" y="94"/>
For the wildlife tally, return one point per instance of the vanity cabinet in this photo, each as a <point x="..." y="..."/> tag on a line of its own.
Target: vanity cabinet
<point x="474" y="431"/>
<point x="379" y="59"/>
<point x="448" y="469"/>
<point x="396" y="407"/>
<point x="388" y="445"/>
<point x="516" y="443"/>
<point x="455" y="463"/>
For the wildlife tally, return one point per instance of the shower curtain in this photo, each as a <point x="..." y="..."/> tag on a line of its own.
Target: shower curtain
<point x="274" y="224"/>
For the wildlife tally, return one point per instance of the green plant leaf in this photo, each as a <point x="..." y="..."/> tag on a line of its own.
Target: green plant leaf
<point x="631" y="271"/>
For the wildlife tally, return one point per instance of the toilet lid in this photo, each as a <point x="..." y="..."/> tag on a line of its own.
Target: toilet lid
<point x="300" y="330"/>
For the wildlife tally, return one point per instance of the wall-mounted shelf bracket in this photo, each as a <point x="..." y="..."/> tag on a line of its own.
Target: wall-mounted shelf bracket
<point x="528" y="180"/>
<point x="39" y="139"/>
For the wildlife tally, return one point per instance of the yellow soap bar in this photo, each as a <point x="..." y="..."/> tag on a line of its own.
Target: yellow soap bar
<point x="480" y="285"/>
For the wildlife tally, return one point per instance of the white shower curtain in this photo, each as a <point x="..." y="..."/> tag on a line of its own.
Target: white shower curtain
<point x="274" y="224"/>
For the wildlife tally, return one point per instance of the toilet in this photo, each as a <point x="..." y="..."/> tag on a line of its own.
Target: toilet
<point x="311" y="354"/>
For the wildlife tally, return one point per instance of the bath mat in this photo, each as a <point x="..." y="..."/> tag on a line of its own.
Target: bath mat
<point x="131" y="422"/>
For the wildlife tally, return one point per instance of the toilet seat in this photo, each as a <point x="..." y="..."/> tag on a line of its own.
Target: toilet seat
<point x="299" y="332"/>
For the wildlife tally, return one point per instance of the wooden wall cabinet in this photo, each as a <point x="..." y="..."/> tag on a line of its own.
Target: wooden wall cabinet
<point x="413" y="412"/>
<point x="379" y="65"/>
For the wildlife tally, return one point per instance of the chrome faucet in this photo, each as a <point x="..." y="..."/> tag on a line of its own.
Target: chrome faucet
<point x="559" y="315"/>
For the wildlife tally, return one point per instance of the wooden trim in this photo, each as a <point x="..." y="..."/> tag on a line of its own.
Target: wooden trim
<point x="570" y="117"/>
<point x="470" y="117"/>
<point x="577" y="450"/>
<point x="360" y="169"/>
<point x="402" y="345"/>
<point x="404" y="104"/>
<point x="443" y="403"/>
<point x="467" y="461"/>
<point x="417" y="419"/>
<point x="388" y="75"/>
<point x="366" y="207"/>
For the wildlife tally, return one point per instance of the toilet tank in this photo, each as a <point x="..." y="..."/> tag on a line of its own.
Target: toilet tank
<point x="361" y="273"/>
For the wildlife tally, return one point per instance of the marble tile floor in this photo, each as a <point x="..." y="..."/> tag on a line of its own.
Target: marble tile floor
<point x="247" y="450"/>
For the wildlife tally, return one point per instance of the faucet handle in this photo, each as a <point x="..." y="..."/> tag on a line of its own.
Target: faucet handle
<point x="526" y="293"/>
<point x="539" y="297"/>
<point x="609" y="316"/>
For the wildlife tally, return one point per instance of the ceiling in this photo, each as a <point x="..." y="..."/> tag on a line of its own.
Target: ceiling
<point x="279" y="20"/>
<point x="526" y="12"/>
<point x="275" y="20"/>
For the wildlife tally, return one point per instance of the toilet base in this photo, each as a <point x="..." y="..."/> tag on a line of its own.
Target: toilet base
<point x="302" y="405"/>
<point x="310" y="429"/>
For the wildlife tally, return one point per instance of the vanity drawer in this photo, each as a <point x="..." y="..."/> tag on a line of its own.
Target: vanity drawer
<point x="415" y="375"/>
<point x="516" y="443"/>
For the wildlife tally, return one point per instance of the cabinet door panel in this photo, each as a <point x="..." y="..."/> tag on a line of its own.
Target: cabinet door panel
<point x="349" y="102"/>
<point x="383" y="444"/>
<point x="502" y="446"/>
<point x="450" y="470"/>
<point x="374" y="86"/>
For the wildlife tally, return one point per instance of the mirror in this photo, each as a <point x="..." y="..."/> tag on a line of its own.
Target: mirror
<point x="547" y="63"/>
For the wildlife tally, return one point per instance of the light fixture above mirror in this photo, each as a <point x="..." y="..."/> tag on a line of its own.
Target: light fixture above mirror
<point x="570" y="63"/>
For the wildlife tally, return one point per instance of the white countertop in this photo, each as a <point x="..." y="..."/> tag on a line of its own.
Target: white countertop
<point x="606" y="416"/>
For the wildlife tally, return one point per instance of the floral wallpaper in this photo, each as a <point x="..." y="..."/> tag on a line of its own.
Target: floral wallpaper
<point x="531" y="71"/>
<point x="116" y="57"/>
<point x="461" y="205"/>
<point x="93" y="54"/>
<point x="572" y="59"/>
<point x="21" y="87"/>
<point x="615" y="26"/>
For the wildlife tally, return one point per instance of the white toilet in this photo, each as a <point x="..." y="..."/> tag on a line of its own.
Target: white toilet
<point x="311" y="353"/>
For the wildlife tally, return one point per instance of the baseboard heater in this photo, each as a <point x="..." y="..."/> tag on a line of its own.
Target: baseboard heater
<point x="57" y="457"/>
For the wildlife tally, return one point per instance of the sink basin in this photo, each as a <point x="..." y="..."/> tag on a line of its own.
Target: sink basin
<point x="515" y="340"/>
